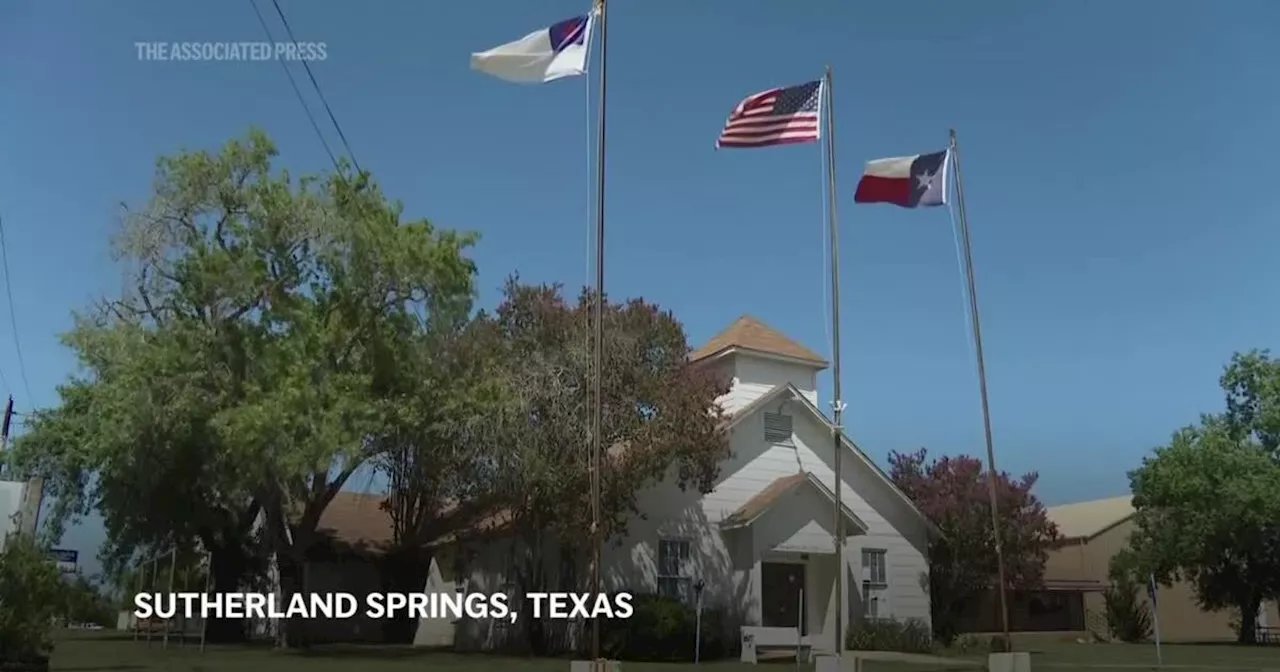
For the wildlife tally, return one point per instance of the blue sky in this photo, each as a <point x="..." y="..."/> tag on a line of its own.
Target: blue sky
<point x="1111" y="152"/>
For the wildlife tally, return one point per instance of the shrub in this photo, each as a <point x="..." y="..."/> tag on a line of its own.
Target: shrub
<point x="965" y="644"/>
<point x="664" y="629"/>
<point x="886" y="634"/>
<point x="86" y="603"/>
<point x="1128" y="618"/>
<point x="32" y="594"/>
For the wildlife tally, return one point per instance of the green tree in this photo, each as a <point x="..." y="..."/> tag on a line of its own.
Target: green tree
<point x="1252" y="384"/>
<point x="87" y="603"/>
<point x="133" y="439"/>
<point x="135" y="435"/>
<point x="1207" y="512"/>
<point x="1128" y="617"/>
<point x="340" y="296"/>
<point x="242" y="372"/>
<point x="32" y="595"/>
<point x="442" y="391"/>
<point x="659" y="419"/>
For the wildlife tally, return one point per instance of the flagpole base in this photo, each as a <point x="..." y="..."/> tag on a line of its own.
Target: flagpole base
<point x="1019" y="661"/>
<point x="849" y="661"/>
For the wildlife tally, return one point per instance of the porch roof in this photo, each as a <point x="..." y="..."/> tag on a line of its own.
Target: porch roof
<point x="773" y="494"/>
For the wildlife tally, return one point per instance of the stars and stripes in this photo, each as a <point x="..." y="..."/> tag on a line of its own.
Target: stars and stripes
<point x="775" y="117"/>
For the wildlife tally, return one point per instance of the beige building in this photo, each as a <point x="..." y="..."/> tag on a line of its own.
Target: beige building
<point x="1092" y="533"/>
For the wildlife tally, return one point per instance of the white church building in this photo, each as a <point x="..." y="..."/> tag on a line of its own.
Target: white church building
<point x="761" y="542"/>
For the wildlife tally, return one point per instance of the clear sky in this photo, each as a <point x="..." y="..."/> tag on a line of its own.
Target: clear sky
<point x="1112" y="154"/>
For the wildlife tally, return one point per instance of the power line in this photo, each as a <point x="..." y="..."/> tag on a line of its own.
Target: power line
<point x="342" y="136"/>
<point x="298" y="92"/>
<point x="13" y="318"/>
<point x="4" y="382"/>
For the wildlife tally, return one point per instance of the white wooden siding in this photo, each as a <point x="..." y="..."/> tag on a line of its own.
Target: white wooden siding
<point x="891" y="526"/>
<point x="754" y="465"/>
<point x="753" y="377"/>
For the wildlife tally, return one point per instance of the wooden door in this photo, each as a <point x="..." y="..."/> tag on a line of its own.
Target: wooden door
<point x="781" y="584"/>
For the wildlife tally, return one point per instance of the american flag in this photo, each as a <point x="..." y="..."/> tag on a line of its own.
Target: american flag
<point x="775" y="117"/>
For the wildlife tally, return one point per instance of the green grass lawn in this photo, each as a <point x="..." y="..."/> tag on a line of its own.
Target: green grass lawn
<point x="1224" y="657"/>
<point x="83" y="652"/>
<point x="112" y="652"/>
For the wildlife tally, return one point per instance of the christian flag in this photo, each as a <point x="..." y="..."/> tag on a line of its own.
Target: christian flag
<point x="906" y="181"/>
<point x="544" y="55"/>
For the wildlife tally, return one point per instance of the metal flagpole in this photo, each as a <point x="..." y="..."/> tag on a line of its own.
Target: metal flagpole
<point x="597" y="422"/>
<point x="837" y="403"/>
<point x="982" y="387"/>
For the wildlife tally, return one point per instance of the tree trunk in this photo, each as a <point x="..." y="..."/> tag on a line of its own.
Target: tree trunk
<point x="1249" y="620"/>
<point x="290" y="571"/>
<point x="228" y="566"/>
<point x="535" y="581"/>
<point x="404" y="570"/>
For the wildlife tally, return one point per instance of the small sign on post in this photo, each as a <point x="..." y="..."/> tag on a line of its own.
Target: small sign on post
<point x="67" y="559"/>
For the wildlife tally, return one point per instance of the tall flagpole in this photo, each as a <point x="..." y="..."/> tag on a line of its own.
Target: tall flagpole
<point x="982" y="387"/>
<point x="597" y="423"/>
<point x="837" y="403"/>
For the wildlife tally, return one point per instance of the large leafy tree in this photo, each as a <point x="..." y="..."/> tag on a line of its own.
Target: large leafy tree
<point x="134" y="436"/>
<point x="1208" y="513"/>
<point x="341" y="296"/>
<point x="442" y="393"/>
<point x="1207" y="510"/>
<point x="245" y="370"/>
<point x="659" y="420"/>
<point x="1252" y="385"/>
<point x="953" y="492"/>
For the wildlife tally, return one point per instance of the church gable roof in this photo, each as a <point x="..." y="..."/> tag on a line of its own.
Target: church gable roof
<point x="749" y="333"/>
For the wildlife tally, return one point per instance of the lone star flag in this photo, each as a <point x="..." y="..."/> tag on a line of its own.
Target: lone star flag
<point x="775" y="117"/>
<point x="907" y="181"/>
<point x="541" y="56"/>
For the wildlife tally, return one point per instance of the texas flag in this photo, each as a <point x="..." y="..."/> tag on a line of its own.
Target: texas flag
<point x="541" y="56"/>
<point x="907" y="181"/>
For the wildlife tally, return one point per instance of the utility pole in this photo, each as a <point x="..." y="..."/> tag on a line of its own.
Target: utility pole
<point x="33" y="494"/>
<point x="4" y="430"/>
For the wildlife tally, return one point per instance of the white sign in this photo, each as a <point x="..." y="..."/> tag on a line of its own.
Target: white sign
<point x="66" y="559"/>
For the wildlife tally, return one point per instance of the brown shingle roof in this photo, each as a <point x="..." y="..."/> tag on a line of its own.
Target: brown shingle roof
<point x="750" y="333"/>
<point x="359" y="520"/>
<point x="494" y="522"/>
<point x="773" y="493"/>
<point x="356" y="518"/>
<point x="761" y="501"/>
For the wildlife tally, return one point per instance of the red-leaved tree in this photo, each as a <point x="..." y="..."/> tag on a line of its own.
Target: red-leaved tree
<point x="953" y="493"/>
